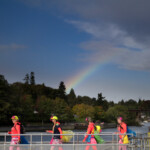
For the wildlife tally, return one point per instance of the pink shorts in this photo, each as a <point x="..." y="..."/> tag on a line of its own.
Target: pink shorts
<point x="120" y="141"/>
<point x="56" y="141"/>
<point x="14" y="141"/>
<point x="93" y="141"/>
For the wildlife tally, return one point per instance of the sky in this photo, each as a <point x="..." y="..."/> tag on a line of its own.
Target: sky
<point x="93" y="46"/>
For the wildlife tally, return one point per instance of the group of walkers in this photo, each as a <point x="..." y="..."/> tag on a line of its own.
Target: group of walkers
<point x="91" y="138"/>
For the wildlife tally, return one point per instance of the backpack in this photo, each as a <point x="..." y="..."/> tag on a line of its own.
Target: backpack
<point x="22" y="129"/>
<point x="97" y="137"/>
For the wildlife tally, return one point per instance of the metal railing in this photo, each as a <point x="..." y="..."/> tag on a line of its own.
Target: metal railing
<point x="40" y="141"/>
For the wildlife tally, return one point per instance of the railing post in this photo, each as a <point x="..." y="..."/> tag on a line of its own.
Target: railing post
<point x="31" y="142"/>
<point x="5" y="141"/>
<point x="73" y="141"/>
<point x="41" y="141"/>
<point x="5" y="138"/>
<point x="41" y="138"/>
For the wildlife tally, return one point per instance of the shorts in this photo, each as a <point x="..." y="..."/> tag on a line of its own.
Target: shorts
<point x="56" y="141"/>
<point x="120" y="141"/>
<point x="14" y="141"/>
<point x="93" y="141"/>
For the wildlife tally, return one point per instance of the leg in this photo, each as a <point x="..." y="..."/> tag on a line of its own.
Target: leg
<point x="11" y="147"/>
<point x="18" y="148"/>
<point x="60" y="148"/>
<point x="52" y="147"/>
<point x="124" y="147"/>
<point x="93" y="141"/>
<point x="94" y="147"/>
<point x="87" y="147"/>
<point x="120" y="147"/>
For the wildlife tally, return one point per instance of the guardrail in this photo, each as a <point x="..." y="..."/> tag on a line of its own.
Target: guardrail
<point x="40" y="141"/>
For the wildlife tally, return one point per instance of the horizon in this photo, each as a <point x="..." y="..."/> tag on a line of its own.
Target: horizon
<point x="125" y="100"/>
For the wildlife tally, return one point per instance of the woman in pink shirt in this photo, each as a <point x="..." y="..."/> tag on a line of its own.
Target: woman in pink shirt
<point x="15" y="139"/>
<point x="90" y="130"/>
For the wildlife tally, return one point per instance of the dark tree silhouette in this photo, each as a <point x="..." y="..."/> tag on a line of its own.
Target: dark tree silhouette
<point x="32" y="78"/>
<point x="62" y="90"/>
<point x="26" y="79"/>
<point x="72" y="98"/>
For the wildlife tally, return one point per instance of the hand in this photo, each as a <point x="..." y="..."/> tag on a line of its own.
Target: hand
<point x="19" y="141"/>
<point x="47" y="131"/>
<point x="83" y="140"/>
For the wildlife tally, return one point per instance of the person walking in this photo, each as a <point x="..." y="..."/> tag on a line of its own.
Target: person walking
<point x="90" y="130"/>
<point x="57" y="133"/>
<point x="15" y="139"/>
<point x="122" y="128"/>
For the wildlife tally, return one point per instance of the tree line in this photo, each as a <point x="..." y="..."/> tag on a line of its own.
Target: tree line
<point x="34" y="103"/>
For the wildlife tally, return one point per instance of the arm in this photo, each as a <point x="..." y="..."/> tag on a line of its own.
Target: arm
<point x="88" y="132"/>
<point x="124" y="129"/>
<point x="60" y="132"/>
<point x="18" y="131"/>
<point x="49" y="131"/>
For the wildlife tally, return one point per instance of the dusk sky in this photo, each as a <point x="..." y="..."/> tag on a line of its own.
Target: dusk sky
<point x="92" y="45"/>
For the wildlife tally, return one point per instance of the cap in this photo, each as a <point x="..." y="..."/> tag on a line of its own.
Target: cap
<point x="54" y="118"/>
<point x="15" y="118"/>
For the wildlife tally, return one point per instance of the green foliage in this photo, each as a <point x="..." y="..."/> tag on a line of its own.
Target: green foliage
<point x="4" y="89"/>
<point x="83" y="110"/>
<point x="117" y="111"/>
<point x="62" y="110"/>
<point x="62" y="91"/>
<point x="36" y="103"/>
<point x="4" y="111"/>
<point x="27" y="107"/>
<point x="71" y="99"/>
<point x="102" y="102"/>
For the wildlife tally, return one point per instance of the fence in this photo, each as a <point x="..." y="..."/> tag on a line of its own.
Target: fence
<point x="41" y="141"/>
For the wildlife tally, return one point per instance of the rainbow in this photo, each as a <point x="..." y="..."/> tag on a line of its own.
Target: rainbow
<point x="85" y="73"/>
<point x="81" y="76"/>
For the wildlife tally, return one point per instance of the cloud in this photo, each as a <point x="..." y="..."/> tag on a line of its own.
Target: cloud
<point x="130" y="15"/>
<point x="119" y="30"/>
<point x="111" y="44"/>
<point x="12" y="46"/>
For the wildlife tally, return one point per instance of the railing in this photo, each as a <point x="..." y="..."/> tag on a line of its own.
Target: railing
<point x="41" y="141"/>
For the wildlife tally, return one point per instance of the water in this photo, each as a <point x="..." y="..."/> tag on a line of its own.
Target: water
<point x="140" y="130"/>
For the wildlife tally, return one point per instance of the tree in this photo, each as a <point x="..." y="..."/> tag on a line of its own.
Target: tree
<point x="102" y="102"/>
<point x="26" y="79"/>
<point x="117" y="111"/>
<point x="120" y="110"/>
<point x="62" y="110"/>
<point x="100" y="99"/>
<point x="72" y="98"/>
<point x="121" y="102"/>
<point x="99" y="113"/>
<point x="4" y="111"/>
<point x="32" y="78"/>
<point x="27" y="107"/>
<point x="82" y="111"/>
<point x="62" y="90"/>
<point x="44" y="107"/>
<point x="4" y="89"/>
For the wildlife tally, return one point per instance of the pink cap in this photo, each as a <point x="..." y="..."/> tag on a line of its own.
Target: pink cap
<point x="121" y="118"/>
